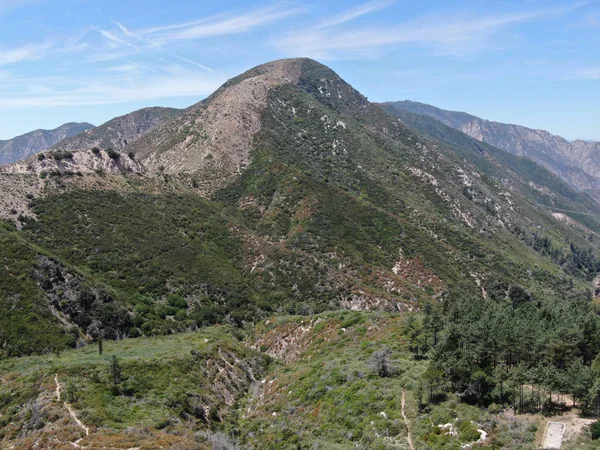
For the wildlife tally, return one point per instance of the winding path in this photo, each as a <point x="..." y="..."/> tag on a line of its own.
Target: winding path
<point x="72" y="413"/>
<point x="406" y="421"/>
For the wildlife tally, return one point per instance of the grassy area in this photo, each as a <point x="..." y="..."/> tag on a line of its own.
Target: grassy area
<point x="172" y="384"/>
<point x="128" y="350"/>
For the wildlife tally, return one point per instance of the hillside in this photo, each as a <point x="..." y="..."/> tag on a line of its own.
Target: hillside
<point x="118" y="132"/>
<point x="576" y="162"/>
<point x="28" y="144"/>
<point x="286" y="189"/>
<point x="286" y="192"/>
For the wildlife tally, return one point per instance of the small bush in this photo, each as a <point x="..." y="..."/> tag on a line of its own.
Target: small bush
<point x="61" y="155"/>
<point x="113" y="154"/>
<point x="595" y="428"/>
<point x="41" y="157"/>
<point x="177" y="301"/>
<point x="96" y="151"/>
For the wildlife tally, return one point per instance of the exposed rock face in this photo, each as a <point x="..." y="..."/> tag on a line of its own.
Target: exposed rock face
<point x="577" y="162"/>
<point x="26" y="145"/>
<point x="32" y="177"/>
<point x="84" y="162"/>
<point x="120" y="131"/>
<point x="215" y="136"/>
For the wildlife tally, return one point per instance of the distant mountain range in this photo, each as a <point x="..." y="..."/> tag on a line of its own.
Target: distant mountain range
<point x="117" y="133"/>
<point x="21" y="147"/>
<point x="577" y="162"/>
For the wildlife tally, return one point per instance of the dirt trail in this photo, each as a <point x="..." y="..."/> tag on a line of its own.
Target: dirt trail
<point x="72" y="413"/>
<point x="553" y="436"/>
<point x="406" y="421"/>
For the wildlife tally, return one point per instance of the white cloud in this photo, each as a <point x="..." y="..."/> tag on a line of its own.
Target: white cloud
<point x="7" y="5"/>
<point x="118" y="90"/>
<point x="220" y="25"/>
<point x="141" y="66"/>
<point x="114" y="38"/>
<point x="194" y="63"/>
<point x="592" y="73"/>
<point x="121" y="68"/>
<point x="28" y="52"/>
<point x="126" y="31"/>
<point x="354" y="13"/>
<point x="448" y="35"/>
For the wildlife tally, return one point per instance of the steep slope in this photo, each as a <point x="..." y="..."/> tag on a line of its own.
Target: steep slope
<point x="120" y="131"/>
<point x="28" y="144"/>
<point x="532" y="179"/>
<point x="287" y="191"/>
<point x="577" y="162"/>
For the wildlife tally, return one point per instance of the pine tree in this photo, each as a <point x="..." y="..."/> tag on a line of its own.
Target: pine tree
<point x="114" y="370"/>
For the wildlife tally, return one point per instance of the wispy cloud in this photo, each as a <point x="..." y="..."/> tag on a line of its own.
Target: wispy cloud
<point x="106" y="90"/>
<point x="7" y="5"/>
<point x="28" y="52"/>
<point x="449" y="35"/>
<point x="126" y="31"/>
<point x="141" y="66"/>
<point x="354" y="13"/>
<point x="116" y="39"/>
<point x="221" y="25"/>
<point x="194" y="63"/>
<point x="592" y="73"/>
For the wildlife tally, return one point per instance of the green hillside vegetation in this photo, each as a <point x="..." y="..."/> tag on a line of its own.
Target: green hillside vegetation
<point x="337" y="382"/>
<point x="342" y="206"/>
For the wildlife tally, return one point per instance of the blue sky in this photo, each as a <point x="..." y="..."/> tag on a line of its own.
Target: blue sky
<point x="535" y="63"/>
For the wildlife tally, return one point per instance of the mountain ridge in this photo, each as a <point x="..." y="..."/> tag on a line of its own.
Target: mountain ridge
<point x="577" y="162"/>
<point x="25" y="145"/>
<point x="119" y="131"/>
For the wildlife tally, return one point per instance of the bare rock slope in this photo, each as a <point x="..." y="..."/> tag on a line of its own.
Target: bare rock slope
<point x="215" y="136"/>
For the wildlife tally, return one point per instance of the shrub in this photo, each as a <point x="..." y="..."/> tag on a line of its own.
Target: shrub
<point x="96" y="151"/>
<point x="62" y="154"/>
<point x="177" y="301"/>
<point x="41" y="157"/>
<point x="595" y="428"/>
<point x="131" y="155"/>
<point x="113" y="154"/>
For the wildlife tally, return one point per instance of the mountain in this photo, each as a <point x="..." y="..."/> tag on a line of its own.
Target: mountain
<point x="576" y="162"/>
<point x="28" y="144"/>
<point x="118" y="132"/>
<point x="285" y="265"/>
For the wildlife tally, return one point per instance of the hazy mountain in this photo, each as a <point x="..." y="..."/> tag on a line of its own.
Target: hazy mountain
<point x="120" y="131"/>
<point x="287" y="193"/>
<point x="576" y="162"/>
<point x="21" y="147"/>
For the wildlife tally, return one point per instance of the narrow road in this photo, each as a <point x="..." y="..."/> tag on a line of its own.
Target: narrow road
<point x="406" y="421"/>
<point x="553" y="435"/>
